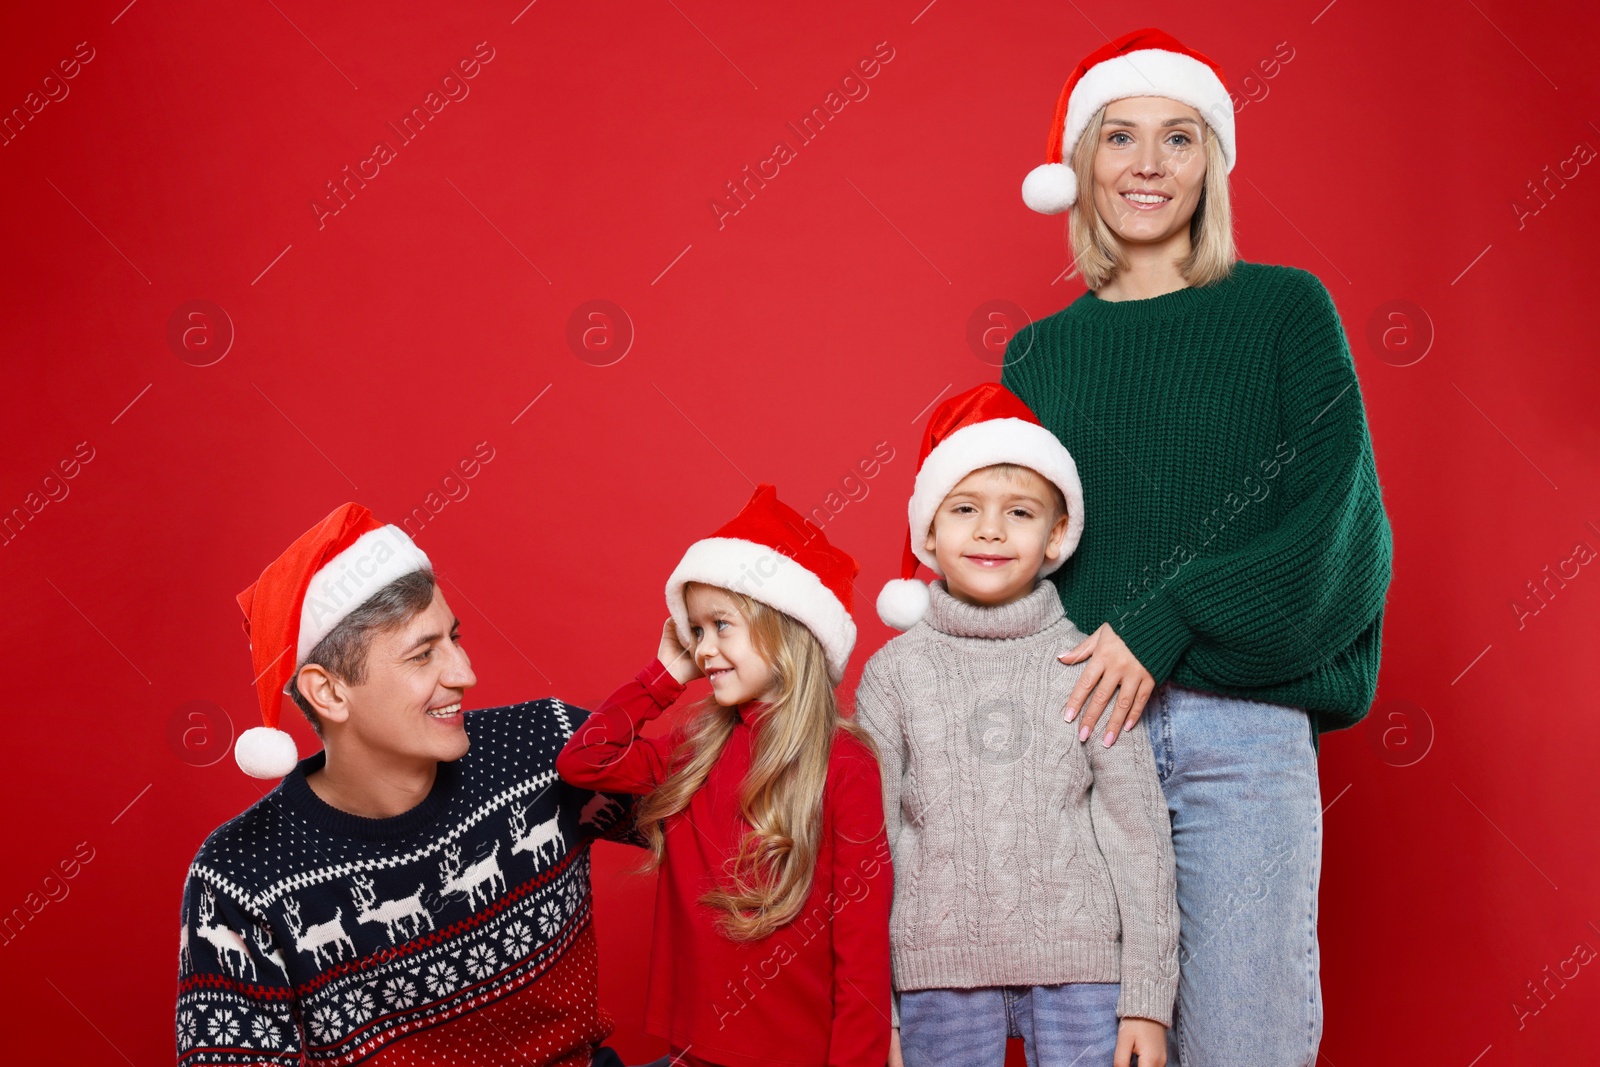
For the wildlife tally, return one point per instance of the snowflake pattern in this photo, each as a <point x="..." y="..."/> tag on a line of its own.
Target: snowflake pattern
<point x="518" y="939"/>
<point x="394" y="981"/>
<point x="325" y="1023"/>
<point x="550" y="919"/>
<point x="400" y="992"/>
<point x="188" y="1029"/>
<point x="358" y="1006"/>
<point x="440" y="977"/>
<point x="481" y="960"/>
<point x="264" y="1031"/>
<point x="223" y="1027"/>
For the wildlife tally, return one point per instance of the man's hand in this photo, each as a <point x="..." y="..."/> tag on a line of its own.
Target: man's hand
<point x="894" y="1048"/>
<point x="1111" y="667"/>
<point x="674" y="657"/>
<point x="1141" y="1039"/>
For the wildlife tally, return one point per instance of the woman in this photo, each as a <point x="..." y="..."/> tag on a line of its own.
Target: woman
<point x="1236" y="553"/>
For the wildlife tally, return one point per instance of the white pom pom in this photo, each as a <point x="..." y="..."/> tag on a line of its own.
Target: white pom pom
<point x="263" y="752"/>
<point x="903" y="603"/>
<point x="1050" y="188"/>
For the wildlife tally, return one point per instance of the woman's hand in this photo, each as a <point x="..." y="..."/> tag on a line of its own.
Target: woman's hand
<point x="678" y="662"/>
<point x="1144" y="1038"/>
<point x="1111" y="667"/>
<point x="894" y="1048"/>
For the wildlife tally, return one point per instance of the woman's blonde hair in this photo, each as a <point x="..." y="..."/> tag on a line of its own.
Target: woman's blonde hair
<point x="769" y="878"/>
<point x="1097" y="251"/>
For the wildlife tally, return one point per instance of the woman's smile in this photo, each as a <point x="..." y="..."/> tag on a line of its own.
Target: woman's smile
<point x="1146" y="199"/>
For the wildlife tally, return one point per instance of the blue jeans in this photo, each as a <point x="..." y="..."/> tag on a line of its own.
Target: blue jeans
<point x="1071" y="1025"/>
<point x="1240" y="778"/>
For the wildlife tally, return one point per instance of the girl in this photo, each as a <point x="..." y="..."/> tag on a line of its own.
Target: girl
<point x="1234" y="589"/>
<point x="763" y="808"/>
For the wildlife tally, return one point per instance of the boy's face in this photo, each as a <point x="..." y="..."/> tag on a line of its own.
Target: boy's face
<point x="724" y="648"/>
<point x="993" y="532"/>
<point x="408" y="709"/>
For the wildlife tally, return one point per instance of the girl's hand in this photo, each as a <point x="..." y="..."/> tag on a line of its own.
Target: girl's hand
<point x="1113" y="668"/>
<point x="1144" y="1038"/>
<point x="894" y="1048"/>
<point x="674" y="657"/>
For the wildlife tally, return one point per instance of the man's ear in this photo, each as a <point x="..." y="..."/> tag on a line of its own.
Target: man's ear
<point x="323" y="692"/>
<point x="1058" y="534"/>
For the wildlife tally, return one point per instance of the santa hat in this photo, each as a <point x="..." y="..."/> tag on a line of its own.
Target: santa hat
<point x="767" y="553"/>
<point x="1142" y="63"/>
<point x="979" y="428"/>
<point x="330" y="571"/>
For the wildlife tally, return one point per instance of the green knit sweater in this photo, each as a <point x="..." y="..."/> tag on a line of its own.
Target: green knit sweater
<point x="1234" y="532"/>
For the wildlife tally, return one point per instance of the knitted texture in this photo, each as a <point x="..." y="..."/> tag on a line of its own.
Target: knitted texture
<point x="814" y="991"/>
<point x="1236" y="538"/>
<point x="1021" y="855"/>
<point x="458" y="932"/>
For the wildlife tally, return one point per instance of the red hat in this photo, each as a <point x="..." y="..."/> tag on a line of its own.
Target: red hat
<point x="767" y="554"/>
<point x="983" y="426"/>
<point x="330" y="570"/>
<point x="1142" y="63"/>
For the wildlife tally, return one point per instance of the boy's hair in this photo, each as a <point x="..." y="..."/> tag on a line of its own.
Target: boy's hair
<point x="769" y="878"/>
<point x="1013" y="472"/>
<point x="343" y="653"/>
<point x="1097" y="251"/>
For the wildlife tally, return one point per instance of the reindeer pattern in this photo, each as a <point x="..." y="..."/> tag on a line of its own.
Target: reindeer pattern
<point x="478" y="881"/>
<point x="547" y="833"/>
<point x="327" y="936"/>
<point x="233" y="952"/>
<point x="405" y="914"/>
<point x="332" y="940"/>
<point x="373" y="939"/>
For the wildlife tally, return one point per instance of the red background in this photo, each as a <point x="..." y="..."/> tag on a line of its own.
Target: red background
<point x="371" y="355"/>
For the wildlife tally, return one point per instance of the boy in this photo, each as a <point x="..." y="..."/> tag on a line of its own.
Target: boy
<point x="418" y="891"/>
<point x="1034" y="878"/>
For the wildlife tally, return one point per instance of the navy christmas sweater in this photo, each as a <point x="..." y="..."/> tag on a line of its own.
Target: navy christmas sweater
<point x="458" y="932"/>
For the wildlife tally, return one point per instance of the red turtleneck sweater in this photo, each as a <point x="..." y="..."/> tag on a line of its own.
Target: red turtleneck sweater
<point x="814" y="992"/>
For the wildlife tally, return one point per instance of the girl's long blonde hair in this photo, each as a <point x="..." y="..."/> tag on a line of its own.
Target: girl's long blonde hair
<point x="1097" y="250"/>
<point x="769" y="878"/>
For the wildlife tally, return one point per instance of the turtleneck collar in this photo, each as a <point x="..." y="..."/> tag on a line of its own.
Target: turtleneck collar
<point x="751" y="712"/>
<point x="1020" y="618"/>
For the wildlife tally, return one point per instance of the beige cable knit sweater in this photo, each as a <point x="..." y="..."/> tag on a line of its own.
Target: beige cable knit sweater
<point x="1021" y="855"/>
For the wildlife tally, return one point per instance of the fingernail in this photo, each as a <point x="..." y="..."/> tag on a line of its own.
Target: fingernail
<point x="1111" y="735"/>
<point x="1083" y="734"/>
<point x="1072" y="713"/>
<point x="1127" y="726"/>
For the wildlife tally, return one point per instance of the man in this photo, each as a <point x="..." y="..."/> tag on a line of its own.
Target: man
<point x="418" y="891"/>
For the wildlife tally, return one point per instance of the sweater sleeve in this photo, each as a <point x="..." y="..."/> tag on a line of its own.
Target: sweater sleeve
<point x="234" y="1003"/>
<point x="1294" y="597"/>
<point x="1134" y="833"/>
<point x="860" y="898"/>
<point x="879" y="715"/>
<point x="607" y="753"/>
